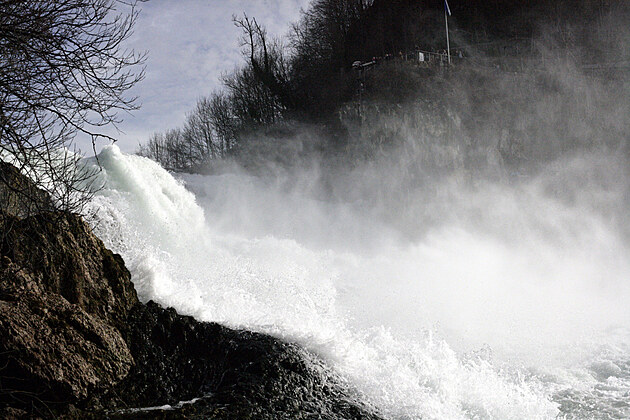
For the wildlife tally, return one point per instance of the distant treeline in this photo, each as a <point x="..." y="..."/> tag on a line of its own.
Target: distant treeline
<point x="308" y="76"/>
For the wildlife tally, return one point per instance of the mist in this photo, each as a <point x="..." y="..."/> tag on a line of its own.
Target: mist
<point x="530" y="266"/>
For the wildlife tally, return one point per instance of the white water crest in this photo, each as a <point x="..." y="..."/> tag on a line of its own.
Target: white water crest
<point x="493" y="301"/>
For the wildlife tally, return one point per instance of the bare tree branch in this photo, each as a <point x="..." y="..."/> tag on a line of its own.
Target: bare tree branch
<point x="63" y="70"/>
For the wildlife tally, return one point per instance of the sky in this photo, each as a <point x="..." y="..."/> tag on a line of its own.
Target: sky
<point x="190" y="44"/>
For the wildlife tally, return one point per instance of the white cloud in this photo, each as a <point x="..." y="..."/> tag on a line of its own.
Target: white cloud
<point x="190" y="44"/>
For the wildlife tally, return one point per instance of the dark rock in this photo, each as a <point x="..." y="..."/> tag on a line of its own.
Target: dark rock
<point x="55" y="351"/>
<point x="63" y="299"/>
<point x="19" y="196"/>
<point x="239" y="374"/>
<point x="10" y="413"/>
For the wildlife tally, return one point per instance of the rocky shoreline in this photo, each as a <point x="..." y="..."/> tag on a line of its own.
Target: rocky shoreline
<point x="75" y="341"/>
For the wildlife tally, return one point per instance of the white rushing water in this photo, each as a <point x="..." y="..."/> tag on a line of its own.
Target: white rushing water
<point x="512" y="304"/>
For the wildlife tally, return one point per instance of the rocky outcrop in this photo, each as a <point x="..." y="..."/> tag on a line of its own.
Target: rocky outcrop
<point x="64" y="299"/>
<point x="56" y="351"/>
<point x="59" y="254"/>
<point x="19" y="196"/>
<point x="236" y="374"/>
<point x="76" y="343"/>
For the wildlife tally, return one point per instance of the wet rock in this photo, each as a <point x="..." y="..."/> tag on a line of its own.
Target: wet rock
<point x="239" y="374"/>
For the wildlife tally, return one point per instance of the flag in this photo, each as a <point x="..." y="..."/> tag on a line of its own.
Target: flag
<point x="446" y="8"/>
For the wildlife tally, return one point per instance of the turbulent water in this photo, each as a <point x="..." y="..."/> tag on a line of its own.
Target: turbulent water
<point x="485" y="301"/>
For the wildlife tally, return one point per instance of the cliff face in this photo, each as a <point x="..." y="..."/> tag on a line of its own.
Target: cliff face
<point x="19" y="196"/>
<point x="75" y="341"/>
<point x="64" y="298"/>
<point x="58" y="253"/>
<point x="54" y="351"/>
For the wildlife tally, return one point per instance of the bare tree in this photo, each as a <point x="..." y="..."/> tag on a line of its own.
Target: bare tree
<point x="199" y="133"/>
<point x="223" y="121"/>
<point x="210" y="132"/>
<point x="266" y="61"/>
<point x="63" y="70"/>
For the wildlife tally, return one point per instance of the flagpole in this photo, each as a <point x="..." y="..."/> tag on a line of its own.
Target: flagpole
<point x="448" y="44"/>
